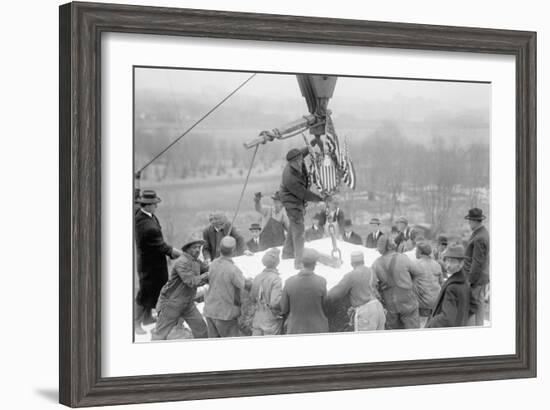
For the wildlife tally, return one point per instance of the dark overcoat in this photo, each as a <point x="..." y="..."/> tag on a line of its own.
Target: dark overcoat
<point x="354" y="239"/>
<point x="151" y="259"/>
<point x="211" y="249"/>
<point x="303" y="300"/>
<point x="338" y="216"/>
<point x="477" y="261"/>
<point x="254" y="247"/>
<point x="372" y="240"/>
<point x="452" y="306"/>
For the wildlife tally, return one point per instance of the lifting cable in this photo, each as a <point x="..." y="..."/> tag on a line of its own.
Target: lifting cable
<point x="244" y="188"/>
<point x="138" y="173"/>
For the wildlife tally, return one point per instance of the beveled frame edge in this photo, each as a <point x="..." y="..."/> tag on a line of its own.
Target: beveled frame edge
<point x="81" y="25"/>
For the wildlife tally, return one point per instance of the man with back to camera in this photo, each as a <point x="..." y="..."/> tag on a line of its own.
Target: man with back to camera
<point x="274" y="222"/>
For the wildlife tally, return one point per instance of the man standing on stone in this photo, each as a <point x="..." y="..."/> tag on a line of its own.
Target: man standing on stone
<point x="294" y="195"/>
<point x="477" y="263"/>
<point x="151" y="258"/>
<point x="222" y="303"/>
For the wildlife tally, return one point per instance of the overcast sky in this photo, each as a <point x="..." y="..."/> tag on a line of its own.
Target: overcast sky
<point x="458" y="95"/>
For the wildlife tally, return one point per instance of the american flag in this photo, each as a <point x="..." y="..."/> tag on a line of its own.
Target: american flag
<point x="343" y="158"/>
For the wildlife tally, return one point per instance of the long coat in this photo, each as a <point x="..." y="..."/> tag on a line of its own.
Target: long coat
<point x="151" y="259"/>
<point x="453" y="303"/>
<point x="477" y="253"/>
<point x="211" y="249"/>
<point x="303" y="301"/>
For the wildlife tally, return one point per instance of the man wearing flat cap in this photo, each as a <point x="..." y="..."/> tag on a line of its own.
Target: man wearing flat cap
<point x="372" y="237"/>
<point x="213" y="234"/>
<point x="359" y="286"/>
<point x="477" y="263"/>
<point x="177" y="295"/>
<point x="294" y="195"/>
<point x="452" y="306"/>
<point x="303" y="298"/>
<point x="151" y="258"/>
<point x="222" y="303"/>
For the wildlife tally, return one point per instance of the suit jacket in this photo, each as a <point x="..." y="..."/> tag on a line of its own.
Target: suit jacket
<point x="477" y="262"/>
<point x="452" y="306"/>
<point x="371" y="240"/>
<point x="253" y="246"/>
<point x="402" y="238"/>
<point x="303" y="300"/>
<point x="150" y="245"/>
<point x="354" y="239"/>
<point x="211" y="249"/>
<point x="313" y="234"/>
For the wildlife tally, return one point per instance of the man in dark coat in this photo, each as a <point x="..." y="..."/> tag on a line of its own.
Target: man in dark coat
<point x="213" y="234"/>
<point x="452" y="306"/>
<point x="404" y="234"/>
<point x="316" y="231"/>
<point x="151" y="258"/>
<point x="477" y="263"/>
<point x="295" y="194"/>
<point x="176" y="298"/>
<point x="254" y="245"/>
<point x="349" y="235"/>
<point x="372" y="238"/>
<point x="303" y="298"/>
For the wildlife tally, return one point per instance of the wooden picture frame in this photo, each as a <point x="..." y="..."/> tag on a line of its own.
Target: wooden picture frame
<point x="81" y="27"/>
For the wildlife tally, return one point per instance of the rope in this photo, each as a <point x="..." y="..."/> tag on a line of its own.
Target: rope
<point x="244" y="188"/>
<point x="194" y="125"/>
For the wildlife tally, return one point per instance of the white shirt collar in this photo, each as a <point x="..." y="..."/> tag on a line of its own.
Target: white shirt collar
<point x="146" y="213"/>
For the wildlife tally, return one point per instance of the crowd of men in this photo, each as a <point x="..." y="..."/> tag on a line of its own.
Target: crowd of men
<point x="410" y="285"/>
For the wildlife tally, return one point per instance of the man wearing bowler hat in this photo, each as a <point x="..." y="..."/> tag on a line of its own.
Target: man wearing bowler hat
<point x="477" y="263"/>
<point x="452" y="306"/>
<point x="294" y="195"/>
<point x="151" y="258"/>
<point x="372" y="238"/>
<point x="176" y="298"/>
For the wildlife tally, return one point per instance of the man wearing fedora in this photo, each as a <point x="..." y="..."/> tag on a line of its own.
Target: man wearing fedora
<point x="254" y="244"/>
<point x="274" y="222"/>
<point x="295" y="195"/>
<point x="477" y="263"/>
<point x="316" y="231"/>
<point x="349" y="235"/>
<point x="372" y="238"/>
<point x="177" y="296"/>
<point x="151" y="258"/>
<point x="404" y="235"/>
<point x="452" y="306"/>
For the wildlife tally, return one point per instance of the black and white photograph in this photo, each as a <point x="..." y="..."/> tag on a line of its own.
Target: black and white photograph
<point x="269" y="204"/>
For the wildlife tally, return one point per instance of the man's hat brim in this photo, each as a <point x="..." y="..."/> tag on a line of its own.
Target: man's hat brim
<point x="475" y="218"/>
<point x="191" y="243"/>
<point x="148" y="200"/>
